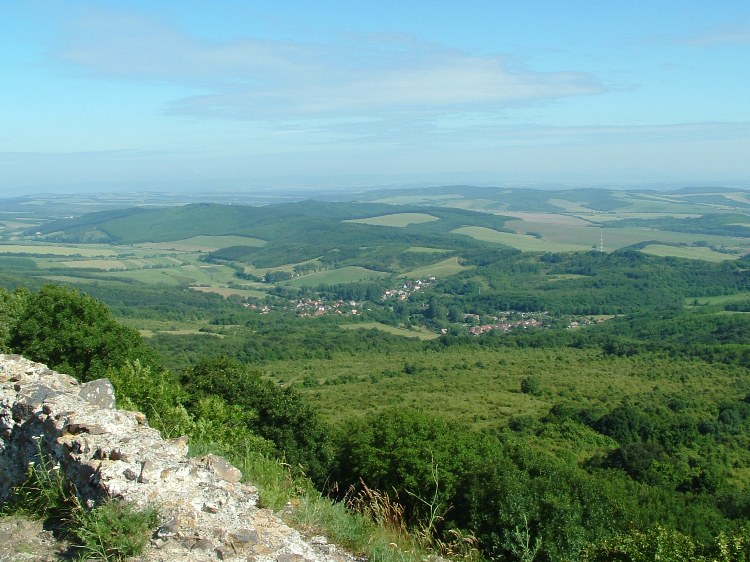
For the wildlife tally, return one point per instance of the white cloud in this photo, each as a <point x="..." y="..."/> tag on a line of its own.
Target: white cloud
<point x="249" y="78"/>
<point x="727" y="35"/>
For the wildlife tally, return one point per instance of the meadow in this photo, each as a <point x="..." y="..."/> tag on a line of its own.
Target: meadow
<point x="523" y="242"/>
<point x="407" y="333"/>
<point x="687" y="252"/>
<point x="441" y="269"/>
<point x="347" y="274"/>
<point x="398" y="220"/>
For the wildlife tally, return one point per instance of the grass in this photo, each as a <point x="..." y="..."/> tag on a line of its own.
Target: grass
<point x="204" y="243"/>
<point x="229" y="291"/>
<point x="717" y="300"/>
<point x="44" y="493"/>
<point x="302" y="506"/>
<point x="347" y="274"/>
<point x="57" y="250"/>
<point x="188" y="274"/>
<point x="423" y="250"/>
<point x="95" y="264"/>
<point x="399" y="220"/>
<point x="444" y="268"/>
<point x="693" y="253"/>
<point x="420" y="334"/>
<point x="563" y="236"/>
<point x="115" y="530"/>
<point x="521" y="242"/>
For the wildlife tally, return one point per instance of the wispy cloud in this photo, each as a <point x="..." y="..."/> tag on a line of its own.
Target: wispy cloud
<point x="727" y="35"/>
<point x="249" y="78"/>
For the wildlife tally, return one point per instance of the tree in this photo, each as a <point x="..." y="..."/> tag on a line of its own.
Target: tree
<point x="76" y="334"/>
<point x="415" y="459"/>
<point x="280" y="415"/>
<point x="11" y="307"/>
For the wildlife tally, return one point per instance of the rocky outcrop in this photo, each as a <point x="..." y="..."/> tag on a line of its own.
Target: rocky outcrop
<point x="206" y="511"/>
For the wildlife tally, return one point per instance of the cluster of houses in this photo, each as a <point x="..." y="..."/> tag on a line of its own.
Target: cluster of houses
<point x="316" y="307"/>
<point x="504" y="326"/>
<point x="263" y="309"/>
<point x="585" y="321"/>
<point x="410" y="286"/>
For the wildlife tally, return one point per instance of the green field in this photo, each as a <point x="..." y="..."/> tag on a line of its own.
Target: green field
<point x="521" y="242"/>
<point x="444" y="268"/>
<point x="718" y="300"/>
<point x="399" y="220"/>
<point x="419" y="334"/>
<point x="693" y="253"/>
<point x="229" y="291"/>
<point x="349" y="274"/>
<point x="95" y="264"/>
<point x="57" y="250"/>
<point x="422" y="250"/>
<point x="204" y="243"/>
<point x="189" y="274"/>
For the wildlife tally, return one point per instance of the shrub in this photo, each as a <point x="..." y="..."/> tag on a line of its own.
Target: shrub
<point x="531" y="385"/>
<point x="114" y="530"/>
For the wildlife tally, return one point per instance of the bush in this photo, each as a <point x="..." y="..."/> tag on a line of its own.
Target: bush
<point x="113" y="531"/>
<point x="531" y="385"/>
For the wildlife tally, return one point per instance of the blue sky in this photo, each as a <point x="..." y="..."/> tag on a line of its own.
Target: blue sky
<point x="196" y="95"/>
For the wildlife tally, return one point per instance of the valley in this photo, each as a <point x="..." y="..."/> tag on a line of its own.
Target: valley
<point x="594" y="337"/>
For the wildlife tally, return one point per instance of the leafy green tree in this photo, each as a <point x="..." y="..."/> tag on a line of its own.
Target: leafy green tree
<point x="76" y="334"/>
<point x="416" y="459"/>
<point x="11" y="307"/>
<point x="277" y="414"/>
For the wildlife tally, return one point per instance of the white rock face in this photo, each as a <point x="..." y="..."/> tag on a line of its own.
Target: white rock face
<point x="206" y="512"/>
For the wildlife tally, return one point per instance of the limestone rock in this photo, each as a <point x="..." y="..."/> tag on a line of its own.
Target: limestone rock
<point x="100" y="393"/>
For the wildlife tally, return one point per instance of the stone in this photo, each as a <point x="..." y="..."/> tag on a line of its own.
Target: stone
<point x="210" y="507"/>
<point x="202" y="544"/>
<point x="221" y="467"/>
<point x="206" y="512"/>
<point x="117" y="455"/>
<point x="244" y="536"/>
<point x="100" y="393"/>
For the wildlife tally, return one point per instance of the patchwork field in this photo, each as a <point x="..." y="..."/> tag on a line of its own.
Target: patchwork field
<point x="227" y="292"/>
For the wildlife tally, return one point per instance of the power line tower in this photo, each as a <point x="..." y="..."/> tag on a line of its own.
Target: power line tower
<point x="601" y="239"/>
